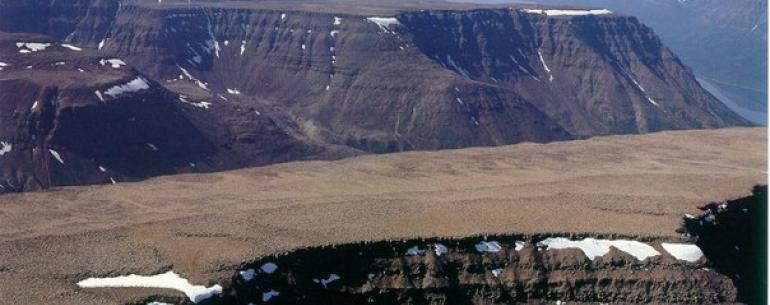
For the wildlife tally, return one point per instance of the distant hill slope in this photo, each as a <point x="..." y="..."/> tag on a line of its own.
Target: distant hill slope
<point x="109" y="91"/>
<point x="724" y="41"/>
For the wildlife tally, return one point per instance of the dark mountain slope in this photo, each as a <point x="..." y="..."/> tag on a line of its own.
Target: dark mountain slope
<point x="240" y="83"/>
<point x="73" y="117"/>
<point x="724" y="41"/>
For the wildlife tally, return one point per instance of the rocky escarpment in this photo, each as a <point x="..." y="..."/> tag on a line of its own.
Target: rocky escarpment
<point x="501" y="270"/>
<point x="282" y="82"/>
<point x="528" y="269"/>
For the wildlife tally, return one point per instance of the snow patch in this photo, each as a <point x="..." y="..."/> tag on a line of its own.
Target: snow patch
<point x="5" y="147"/>
<point x="152" y="146"/>
<point x="243" y="47"/>
<point x="136" y="85"/>
<point x="649" y="99"/>
<point x="28" y="47"/>
<point x="520" y="245"/>
<point x="71" y="47"/>
<point x="440" y="249"/>
<point x="685" y="252"/>
<point x="248" y="274"/>
<point x="56" y="155"/>
<point x="168" y="280"/>
<point x="266" y="296"/>
<point x="488" y="246"/>
<point x="568" y="12"/>
<point x="545" y="66"/>
<point x="384" y="22"/>
<point x="198" y="82"/>
<point x="269" y="268"/>
<point x="497" y="272"/>
<point x="325" y="282"/>
<point x="99" y="95"/>
<point x="115" y="63"/>
<point x="101" y="44"/>
<point x="337" y="21"/>
<point x="201" y="104"/>
<point x="594" y="248"/>
<point x="414" y="251"/>
<point x="233" y="91"/>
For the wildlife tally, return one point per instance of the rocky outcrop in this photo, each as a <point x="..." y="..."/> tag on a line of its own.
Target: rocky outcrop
<point x="733" y="234"/>
<point x="469" y="271"/>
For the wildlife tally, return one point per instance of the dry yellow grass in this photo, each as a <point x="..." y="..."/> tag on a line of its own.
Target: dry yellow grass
<point x="205" y="226"/>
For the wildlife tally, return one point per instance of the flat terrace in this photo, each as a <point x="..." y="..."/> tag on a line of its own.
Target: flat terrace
<point x="205" y="226"/>
<point x="352" y="7"/>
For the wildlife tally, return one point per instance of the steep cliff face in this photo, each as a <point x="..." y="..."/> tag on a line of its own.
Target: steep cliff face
<point x="326" y="84"/>
<point x="592" y="74"/>
<point x="502" y="270"/>
<point x="725" y="42"/>
<point x="75" y="117"/>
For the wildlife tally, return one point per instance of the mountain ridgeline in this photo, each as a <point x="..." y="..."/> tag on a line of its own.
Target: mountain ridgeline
<point x="132" y="89"/>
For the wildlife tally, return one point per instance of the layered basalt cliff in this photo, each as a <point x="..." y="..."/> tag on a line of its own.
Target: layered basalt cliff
<point x="501" y="270"/>
<point x="283" y="82"/>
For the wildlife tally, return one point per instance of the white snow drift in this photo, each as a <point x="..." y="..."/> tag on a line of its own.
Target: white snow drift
<point x="594" y="248"/>
<point x="568" y="12"/>
<point x="383" y="22"/>
<point x="5" y="147"/>
<point x="71" y="47"/>
<point x="29" y="47"/>
<point x="488" y="246"/>
<point x="137" y="84"/>
<point x="168" y="280"/>
<point x="685" y="252"/>
<point x="115" y="63"/>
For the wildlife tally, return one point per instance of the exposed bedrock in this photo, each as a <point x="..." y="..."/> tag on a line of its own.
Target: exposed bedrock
<point x="469" y="271"/>
<point x="733" y="235"/>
